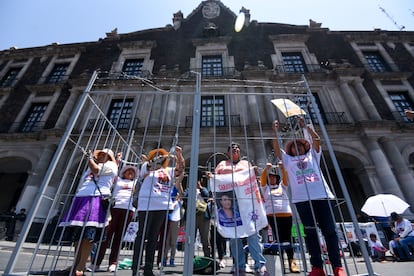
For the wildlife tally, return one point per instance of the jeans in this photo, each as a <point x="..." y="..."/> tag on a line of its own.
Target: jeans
<point x="404" y="242"/>
<point x="255" y="249"/>
<point x="326" y="223"/>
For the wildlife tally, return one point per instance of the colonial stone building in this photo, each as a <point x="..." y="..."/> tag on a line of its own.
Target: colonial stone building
<point x="361" y="82"/>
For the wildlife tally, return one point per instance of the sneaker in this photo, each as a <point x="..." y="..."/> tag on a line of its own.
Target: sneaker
<point x="222" y="263"/>
<point x="317" y="271"/>
<point x="112" y="268"/>
<point x="172" y="263"/>
<point x="93" y="268"/>
<point x="248" y="269"/>
<point x="261" y="272"/>
<point x="293" y="267"/>
<point x="339" y="271"/>
<point x="164" y="262"/>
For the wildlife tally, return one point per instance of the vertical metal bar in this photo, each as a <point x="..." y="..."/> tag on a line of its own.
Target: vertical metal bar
<point x="13" y="259"/>
<point x="341" y="181"/>
<point x="191" y="203"/>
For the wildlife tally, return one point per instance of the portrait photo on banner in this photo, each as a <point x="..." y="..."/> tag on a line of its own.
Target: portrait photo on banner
<point x="240" y="211"/>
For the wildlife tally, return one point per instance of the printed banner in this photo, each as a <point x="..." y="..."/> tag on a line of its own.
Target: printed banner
<point x="239" y="209"/>
<point x="366" y="229"/>
<point x="131" y="232"/>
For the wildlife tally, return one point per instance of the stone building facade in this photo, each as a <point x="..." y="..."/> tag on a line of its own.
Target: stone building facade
<point x="361" y="81"/>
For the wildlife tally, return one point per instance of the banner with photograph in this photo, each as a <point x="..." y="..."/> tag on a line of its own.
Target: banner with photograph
<point x="239" y="209"/>
<point x="366" y="229"/>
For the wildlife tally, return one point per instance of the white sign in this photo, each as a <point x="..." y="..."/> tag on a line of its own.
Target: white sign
<point x="239" y="209"/>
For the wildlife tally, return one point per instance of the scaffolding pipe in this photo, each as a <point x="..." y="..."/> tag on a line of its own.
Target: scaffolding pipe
<point x="192" y="187"/>
<point x="41" y="192"/>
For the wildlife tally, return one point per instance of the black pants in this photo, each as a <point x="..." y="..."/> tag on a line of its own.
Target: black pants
<point x="150" y="223"/>
<point x="283" y="226"/>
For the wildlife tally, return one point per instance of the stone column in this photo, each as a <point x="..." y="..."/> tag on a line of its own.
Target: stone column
<point x="401" y="170"/>
<point x="252" y="105"/>
<point x="388" y="181"/>
<point x="35" y="179"/>
<point x="366" y="101"/>
<point x="353" y="104"/>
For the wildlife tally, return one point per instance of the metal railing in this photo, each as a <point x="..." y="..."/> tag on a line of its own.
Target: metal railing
<point x="225" y="121"/>
<point x="303" y="69"/>
<point x="216" y="73"/>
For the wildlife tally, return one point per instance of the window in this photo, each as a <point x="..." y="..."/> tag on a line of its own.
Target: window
<point x="120" y="113"/>
<point x="212" y="111"/>
<point x="133" y="67"/>
<point x="293" y="63"/>
<point x="212" y="66"/>
<point x="10" y="77"/>
<point x="58" y="73"/>
<point x="401" y="102"/>
<point x="376" y="62"/>
<point x="33" y="117"/>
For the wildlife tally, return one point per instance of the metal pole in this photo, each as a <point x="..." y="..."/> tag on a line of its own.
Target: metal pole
<point x="191" y="202"/>
<point x="341" y="181"/>
<point x="41" y="193"/>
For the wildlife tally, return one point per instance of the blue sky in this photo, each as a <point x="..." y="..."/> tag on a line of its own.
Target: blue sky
<point x="32" y="23"/>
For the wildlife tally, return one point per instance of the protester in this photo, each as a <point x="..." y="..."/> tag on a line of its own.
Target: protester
<point x="311" y="196"/>
<point x="278" y="211"/>
<point x="86" y="218"/>
<point x="154" y="203"/>
<point x="122" y="214"/>
<point x="235" y="167"/>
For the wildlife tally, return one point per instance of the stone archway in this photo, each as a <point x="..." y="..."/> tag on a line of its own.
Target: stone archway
<point x="355" y="178"/>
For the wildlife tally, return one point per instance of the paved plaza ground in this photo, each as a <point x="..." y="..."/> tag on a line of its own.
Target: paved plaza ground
<point x="356" y="266"/>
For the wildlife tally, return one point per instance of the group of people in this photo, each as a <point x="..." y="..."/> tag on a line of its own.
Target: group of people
<point x="13" y="222"/>
<point x="160" y="196"/>
<point x="91" y="223"/>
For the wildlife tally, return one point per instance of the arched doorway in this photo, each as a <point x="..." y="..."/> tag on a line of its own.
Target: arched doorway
<point x="13" y="176"/>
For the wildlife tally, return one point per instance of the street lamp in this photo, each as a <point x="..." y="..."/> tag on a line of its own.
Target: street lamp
<point x="242" y="19"/>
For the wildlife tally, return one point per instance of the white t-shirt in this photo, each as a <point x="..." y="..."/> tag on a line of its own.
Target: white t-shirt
<point x="276" y="200"/>
<point x="305" y="177"/>
<point x="155" y="192"/>
<point x="122" y="192"/>
<point x="403" y="228"/>
<point x="104" y="179"/>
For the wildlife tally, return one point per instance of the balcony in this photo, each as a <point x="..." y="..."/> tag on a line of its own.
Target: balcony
<point x="335" y="118"/>
<point x="231" y="120"/>
<point x="217" y="73"/>
<point x="127" y="123"/>
<point x="308" y="68"/>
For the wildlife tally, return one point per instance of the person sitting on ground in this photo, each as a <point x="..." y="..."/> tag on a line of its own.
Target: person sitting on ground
<point x="377" y="249"/>
<point x="405" y="237"/>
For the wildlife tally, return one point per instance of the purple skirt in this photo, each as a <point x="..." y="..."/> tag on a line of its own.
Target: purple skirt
<point x="85" y="211"/>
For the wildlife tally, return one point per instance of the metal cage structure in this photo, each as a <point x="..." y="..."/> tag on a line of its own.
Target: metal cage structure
<point x="157" y="118"/>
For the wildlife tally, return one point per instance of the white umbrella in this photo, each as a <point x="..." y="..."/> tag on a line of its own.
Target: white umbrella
<point x="382" y="205"/>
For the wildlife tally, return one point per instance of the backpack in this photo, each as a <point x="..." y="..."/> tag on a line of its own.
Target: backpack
<point x="204" y="265"/>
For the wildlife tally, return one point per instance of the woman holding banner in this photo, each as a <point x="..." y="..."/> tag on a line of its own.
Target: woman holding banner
<point x="237" y="178"/>
<point x="311" y="196"/>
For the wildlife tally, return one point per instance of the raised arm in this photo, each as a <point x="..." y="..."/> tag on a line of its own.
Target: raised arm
<point x="275" y="141"/>
<point x="316" y="140"/>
